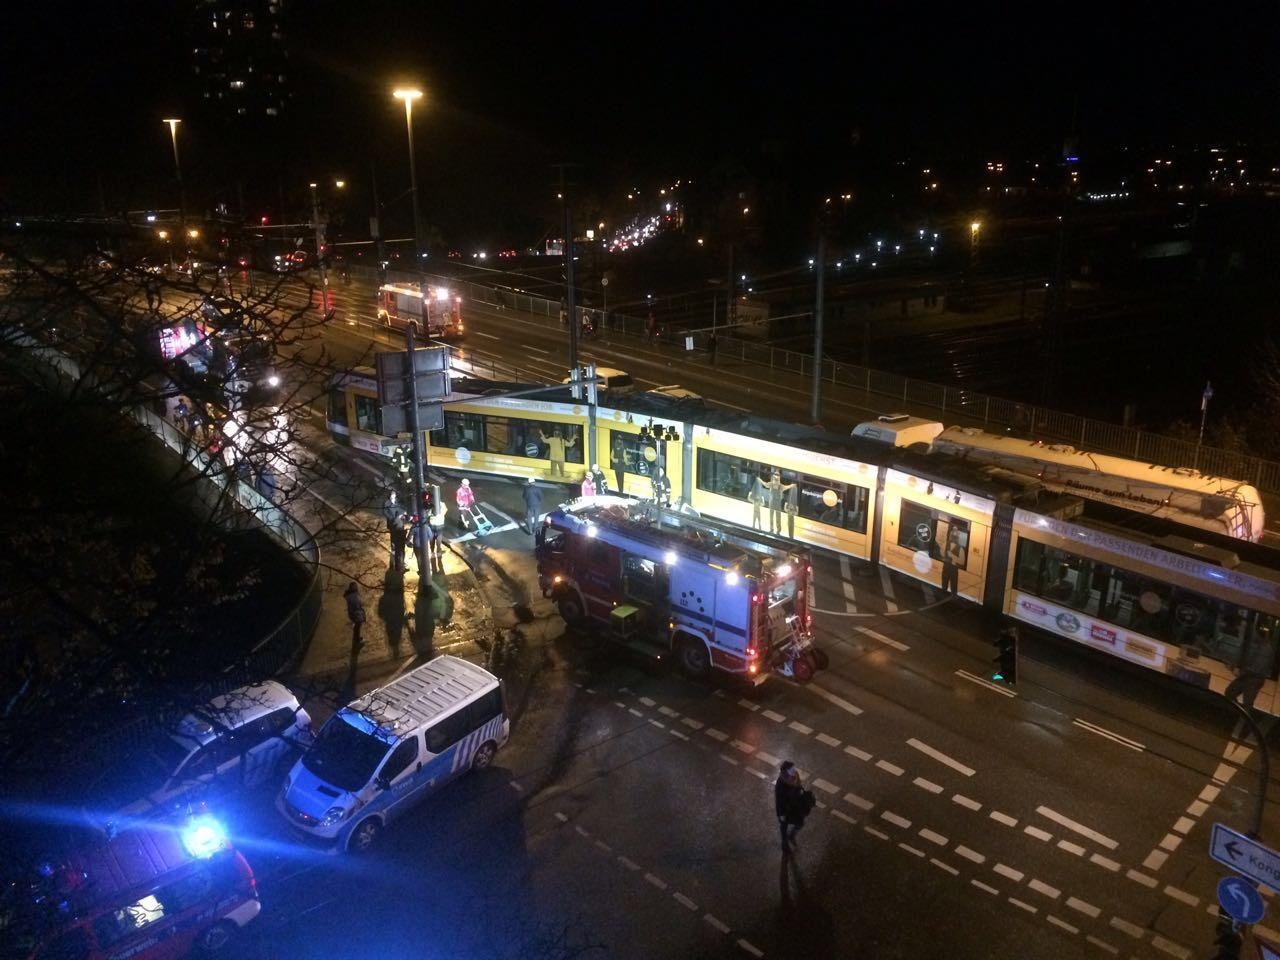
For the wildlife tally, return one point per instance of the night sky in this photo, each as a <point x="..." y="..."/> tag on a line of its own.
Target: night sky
<point x="631" y="92"/>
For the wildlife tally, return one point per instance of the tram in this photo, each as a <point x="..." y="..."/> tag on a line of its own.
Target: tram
<point x="1180" y="600"/>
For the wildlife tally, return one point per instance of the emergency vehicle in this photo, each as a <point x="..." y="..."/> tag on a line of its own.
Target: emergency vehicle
<point x="715" y="596"/>
<point x="436" y="308"/>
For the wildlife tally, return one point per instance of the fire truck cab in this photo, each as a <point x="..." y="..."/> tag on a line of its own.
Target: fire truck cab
<point x="436" y="308"/>
<point x="714" y="596"/>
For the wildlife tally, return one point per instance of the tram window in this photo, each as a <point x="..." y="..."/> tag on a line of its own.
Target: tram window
<point x="855" y="509"/>
<point x="728" y="476"/>
<point x="1138" y="602"/>
<point x="497" y="434"/>
<point x="1073" y="582"/>
<point x="626" y="450"/>
<point x="368" y="414"/>
<point x="1029" y="566"/>
<point x="570" y="433"/>
<point x="338" y="407"/>
<point x="917" y="529"/>
<point x="464" y="430"/>
<point x="821" y="501"/>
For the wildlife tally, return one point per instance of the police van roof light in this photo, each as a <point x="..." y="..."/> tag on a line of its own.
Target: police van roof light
<point x="203" y="836"/>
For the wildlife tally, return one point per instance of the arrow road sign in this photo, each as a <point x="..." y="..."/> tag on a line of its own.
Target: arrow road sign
<point x="1246" y="857"/>
<point x="1241" y="901"/>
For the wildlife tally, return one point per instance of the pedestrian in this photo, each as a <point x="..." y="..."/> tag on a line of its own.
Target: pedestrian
<point x="556" y="447"/>
<point x="599" y="479"/>
<point x="466" y="499"/>
<point x="775" y="492"/>
<point x="1254" y="668"/>
<point x="650" y="327"/>
<point x="532" y="506"/>
<point x="713" y="343"/>
<point x="181" y="413"/>
<point x="757" y="497"/>
<point x="355" y="613"/>
<point x="661" y="488"/>
<point x="952" y="561"/>
<point x="618" y="460"/>
<point x="790" y="804"/>
<point x="394" y="516"/>
<point x="588" y="485"/>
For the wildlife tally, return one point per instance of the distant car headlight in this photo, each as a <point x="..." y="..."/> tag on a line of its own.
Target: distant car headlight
<point x="335" y="815"/>
<point x="273" y="381"/>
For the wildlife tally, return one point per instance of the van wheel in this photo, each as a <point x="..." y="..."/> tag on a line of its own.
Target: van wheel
<point x="802" y="669"/>
<point x="216" y="938"/>
<point x="365" y="835"/>
<point x="694" y="659"/>
<point x="483" y="755"/>
<point x="571" y="611"/>
<point x="820" y="658"/>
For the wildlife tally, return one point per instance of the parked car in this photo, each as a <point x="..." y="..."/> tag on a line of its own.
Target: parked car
<point x="676" y="392"/>
<point x="613" y="380"/>
<point x="240" y="740"/>
<point x="146" y="894"/>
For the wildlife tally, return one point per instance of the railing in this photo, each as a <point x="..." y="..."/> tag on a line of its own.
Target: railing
<point x="889" y="391"/>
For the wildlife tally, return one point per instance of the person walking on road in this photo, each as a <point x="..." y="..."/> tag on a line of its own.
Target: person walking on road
<point x="394" y="515"/>
<point x="618" y="460"/>
<point x="532" y="506"/>
<point x="789" y="804"/>
<point x="588" y="486"/>
<point x="713" y="343"/>
<point x="355" y="613"/>
<point x="466" y="499"/>
<point x="1254" y="668"/>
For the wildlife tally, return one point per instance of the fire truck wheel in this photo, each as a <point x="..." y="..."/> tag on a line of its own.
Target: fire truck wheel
<point x="820" y="658"/>
<point x="570" y="608"/>
<point x="694" y="659"/>
<point x="802" y="669"/>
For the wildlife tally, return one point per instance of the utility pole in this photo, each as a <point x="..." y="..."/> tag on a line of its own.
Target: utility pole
<point x="319" y="231"/>
<point x="815" y="406"/>
<point x="420" y="536"/>
<point x="569" y="299"/>
<point x="375" y="225"/>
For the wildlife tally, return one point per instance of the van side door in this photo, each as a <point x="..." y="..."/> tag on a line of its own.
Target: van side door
<point x="444" y="744"/>
<point x="402" y="775"/>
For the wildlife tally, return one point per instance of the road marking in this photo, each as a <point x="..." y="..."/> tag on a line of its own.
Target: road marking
<point x="1061" y="923"/>
<point x="604" y="846"/>
<point x="1210" y="793"/>
<point x="1006" y="871"/>
<point x="1169" y="947"/>
<point x="887" y="584"/>
<point x="658" y="723"/>
<point x="896" y="820"/>
<point x="1183" y="825"/>
<point x="1103" y="732"/>
<point x="985" y="887"/>
<point x="1004" y="818"/>
<point x="761" y="774"/>
<point x="846" y="574"/>
<point x="771" y="715"/>
<point x="1043" y="888"/>
<point x="481" y="333"/>
<point x="1170" y="842"/>
<point x="1025" y="906"/>
<point x="826" y="786"/>
<point x="768" y="758"/>
<point x="684" y="901"/>
<point x="668" y="712"/>
<point x="890" y="768"/>
<point x="1088" y="909"/>
<point x="691" y="723"/>
<point x="1105" y="862"/>
<point x="1141" y="878"/>
<point x="748" y="705"/>
<point x="728" y="759"/>
<point x="935" y="838"/>
<point x="860" y="802"/>
<point x="874" y="832"/>
<point x="887" y="641"/>
<point x="944" y="866"/>
<point x="830" y="741"/>
<point x="1076" y="827"/>
<point x="1102" y="944"/>
<point x="628" y="863"/>
<point x="715" y="734"/>
<point x="855" y="752"/>
<point x="676" y="733"/>
<point x="1197" y="808"/>
<point x="1155" y="860"/>
<point x="751" y="948"/>
<point x="648" y="702"/>
<point x="527" y="346"/>
<point x="1124" y="926"/>
<point x="941" y="757"/>
<point x="561" y="817"/>
<point x="1072" y="848"/>
<point x="964" y="801"/>
<point x="503" y="514"/>
<point x="1004" y="692"/>
<point x="656" y="881"/>
<point x="830" y="697"/>
<point x="968" y="854"/>
<point x="928" y="785"/>
<point x="843" y="816"/>
<point x="580" y="831"/>
<point x="912" y="850"/>
<point x="742" y="747"/>
<point x="801" y="728"/>
<point x="716" y="922"/>
<point x="1043" y="835"/>
<point x="1189" y="899"/>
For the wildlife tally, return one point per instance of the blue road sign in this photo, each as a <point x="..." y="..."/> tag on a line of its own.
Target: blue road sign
<point x="1245" y="856"/>
<point x="1240" y="899"/>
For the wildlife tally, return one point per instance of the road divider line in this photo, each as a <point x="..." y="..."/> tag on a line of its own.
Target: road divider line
<point x="881" y="638"/>
<point x="831" y="698"/>
<point x="1077" y="827"/>
<point x="941" y="757"/>
<point x="1103" y="732"/>
<point x="890" y="601"/>
<point x="1003" y="691"/>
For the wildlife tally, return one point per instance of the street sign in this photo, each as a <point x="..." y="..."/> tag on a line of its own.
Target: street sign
<point x="1246" y="857"/>
<point x="431" y="367"/>
<point x="1241" y="899"/>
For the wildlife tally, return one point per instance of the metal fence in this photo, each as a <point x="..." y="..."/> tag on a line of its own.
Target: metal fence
<point x="891" y="391"/>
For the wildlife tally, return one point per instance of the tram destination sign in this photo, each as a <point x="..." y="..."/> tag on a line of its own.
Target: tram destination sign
<point x="1246" y="857"/>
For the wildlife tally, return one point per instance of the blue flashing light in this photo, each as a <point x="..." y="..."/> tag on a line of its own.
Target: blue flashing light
<point x="203" y="836"/>
<point x="1073" y="159"/>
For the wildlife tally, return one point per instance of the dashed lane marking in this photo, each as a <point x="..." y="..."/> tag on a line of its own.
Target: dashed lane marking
<point x="748" y="705"/>
<point x="881" y="638"/>
<point x="912" y="850"/>
<point x="826" y="786"/>
<point x="691" y="723"/>
<point x="729" y="759"/>
<point x="1103" y="732"/>
<point x="1125" y="927"/>
<point x="742" y="747"/>
<point x="768" y="758"/>
<point x="890" y="768"/>
<point x="855" y="752"/>
<point x="562" y="818"/>
<point x="801" y="728"/>
<point x="658" y="723"/>
<point x="843" y="816"/>
<point x="994" y="687"/>
<point x="1077" y="827"/>
<point x="1155" y="860"/>
<point x="1004" y="818"/>
<point x="934" y="838"/>
<point x="964" y="801"/>
<point x="927" y="785"/>
<point x="1102" y="944"/>
<point x="684" y="901"/>
<point x="1105" y="862"/>
<point x="985" y="887"/>
<point x="1044" y="889"/>
<point x="1061" y="923"/>
<point x="668" y="712"/>
<point x="941" y="757"/>
<point x="772" y="715"/>
<point x="1036" y="832"/>
<point x="896" y="820"/>
<point x="656" y="881"/>
<point x="648" y="702"/>
<point x="1169" y="947"/>
<point x="715" y="734"/>
<point x="1081" y="906"/>
<point x="831" y="698"/>
<point x="827" y="739"/>
<point x="1184" y="825"/>
<point x="1189" y="899"/>
<point x="1007" y="871"/>
<point x="628" y="863"/>
<point x="716" y="923"/>
<point x="874" y="832"/>
<point x="944" y="866"/>
<point x="1141" y="878"/>
<point x="1024" y="906"/>
<point x="973" y="855"/>
<point x="751" y="948"/>
<point x="860" y="802"/>
<point x="1072" y="848"/>
<point x="890" y="601"/>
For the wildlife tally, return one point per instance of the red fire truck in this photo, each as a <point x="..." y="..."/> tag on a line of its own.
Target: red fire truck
<point x="715" y="596"/>
<point x="436" y="308"/>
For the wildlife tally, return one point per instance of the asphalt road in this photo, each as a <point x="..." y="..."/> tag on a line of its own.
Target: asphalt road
<point x="633" y="810"/>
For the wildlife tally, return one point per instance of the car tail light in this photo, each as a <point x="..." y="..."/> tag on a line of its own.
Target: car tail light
<point x="753" y="667"/>
<point x="752" y="652"/>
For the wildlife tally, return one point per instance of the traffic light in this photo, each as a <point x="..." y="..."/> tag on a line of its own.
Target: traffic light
<point x="1006" y="659"/>
<point x="1227" y="939"/>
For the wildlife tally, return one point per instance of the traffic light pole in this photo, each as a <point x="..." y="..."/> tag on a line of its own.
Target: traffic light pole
<point x="420" y="536"/>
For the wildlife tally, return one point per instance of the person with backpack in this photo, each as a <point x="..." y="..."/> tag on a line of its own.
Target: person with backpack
<point x="792" y="803"/>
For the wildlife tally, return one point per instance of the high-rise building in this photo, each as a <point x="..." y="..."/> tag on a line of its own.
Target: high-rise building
<point x="240" y="59"/>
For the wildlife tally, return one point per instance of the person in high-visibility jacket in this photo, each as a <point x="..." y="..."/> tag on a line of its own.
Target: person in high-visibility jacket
<point x="556" y="446"/>
<point x="466" y="498"/>
<point x="588" y="486"/>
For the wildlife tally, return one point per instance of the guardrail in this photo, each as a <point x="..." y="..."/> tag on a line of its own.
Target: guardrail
<point x="891" y="390"/>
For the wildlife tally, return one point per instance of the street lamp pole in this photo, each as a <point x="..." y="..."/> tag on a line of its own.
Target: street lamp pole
<point x="324" y="278"/>
<point x="177" y="163"/>
<point x="408" y="96"/>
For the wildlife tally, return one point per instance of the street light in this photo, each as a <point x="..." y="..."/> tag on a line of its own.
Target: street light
<point x="408" y="95"/>
<point x="324" y="279"/>
<point x="182" y="197"/>
<point x="164" y="235"/>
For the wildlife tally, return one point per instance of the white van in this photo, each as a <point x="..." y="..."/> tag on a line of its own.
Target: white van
<point x="388" y="750"/>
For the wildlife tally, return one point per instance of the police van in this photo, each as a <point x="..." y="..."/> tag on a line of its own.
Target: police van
<point x="388" y="750"/>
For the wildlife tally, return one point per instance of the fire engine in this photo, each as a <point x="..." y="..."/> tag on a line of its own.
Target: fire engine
<point x="436" y="308"/>
<point x="714" y="596"/>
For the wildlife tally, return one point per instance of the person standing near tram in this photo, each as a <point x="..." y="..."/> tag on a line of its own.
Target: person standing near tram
<point x="775" y="493"/>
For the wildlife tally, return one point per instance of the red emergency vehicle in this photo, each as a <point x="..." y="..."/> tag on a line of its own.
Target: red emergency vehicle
<point x="715" y="596"/>
<point x="436" y="308"/>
